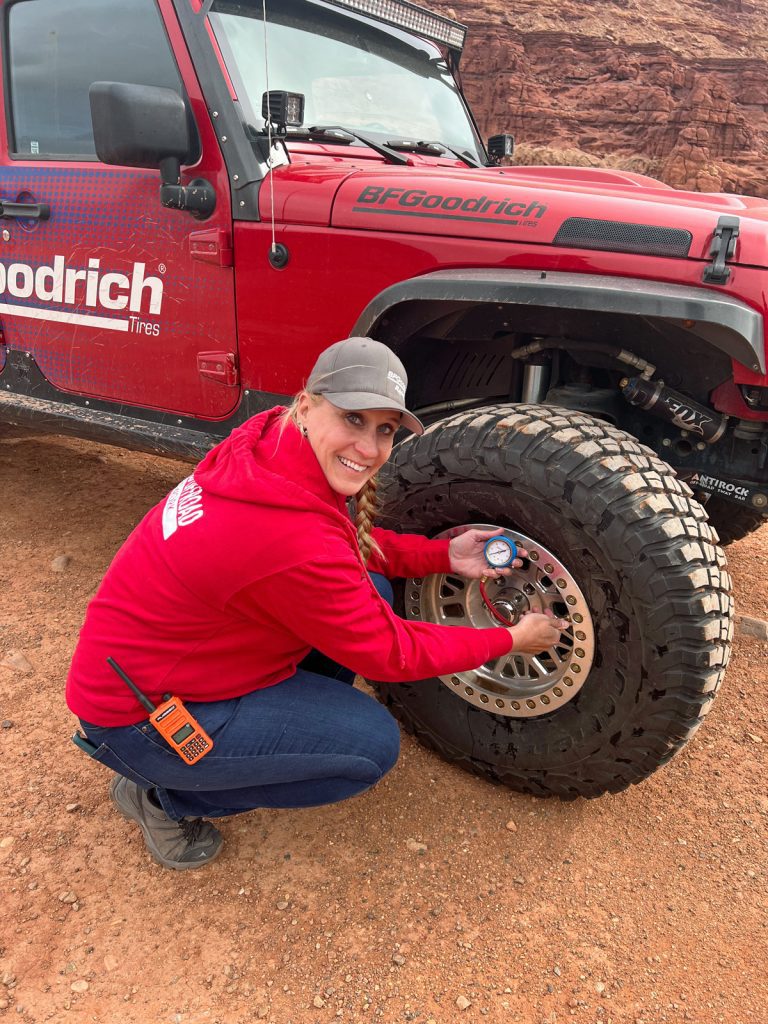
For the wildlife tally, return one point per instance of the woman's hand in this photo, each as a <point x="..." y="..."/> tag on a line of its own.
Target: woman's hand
<point x="536" y="632"/>
<point x="468" y="559"/>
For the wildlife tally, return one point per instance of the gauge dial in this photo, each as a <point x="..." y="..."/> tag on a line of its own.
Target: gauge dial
<point x="500" y="552"/>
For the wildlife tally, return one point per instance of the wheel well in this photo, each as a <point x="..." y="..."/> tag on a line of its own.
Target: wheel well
<point x="462" y="350"/>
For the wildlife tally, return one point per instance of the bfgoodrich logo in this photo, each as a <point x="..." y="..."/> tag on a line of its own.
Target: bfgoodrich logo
<point x="79" y="287"/>
<point x="417" y="202"/>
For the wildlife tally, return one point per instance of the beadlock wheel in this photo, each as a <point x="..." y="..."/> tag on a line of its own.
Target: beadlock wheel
<point x="517" y="685"/>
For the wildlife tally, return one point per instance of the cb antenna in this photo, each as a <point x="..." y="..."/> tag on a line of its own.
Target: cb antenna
<point x="273" y="247"/>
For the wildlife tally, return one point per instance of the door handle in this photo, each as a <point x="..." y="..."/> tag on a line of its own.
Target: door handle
<point x="33" y="211"/>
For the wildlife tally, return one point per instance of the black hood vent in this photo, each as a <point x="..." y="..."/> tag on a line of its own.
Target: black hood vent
<point x="617" y="236"/>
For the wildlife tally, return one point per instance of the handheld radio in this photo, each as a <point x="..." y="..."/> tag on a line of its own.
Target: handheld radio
<point x="181" y="731"/>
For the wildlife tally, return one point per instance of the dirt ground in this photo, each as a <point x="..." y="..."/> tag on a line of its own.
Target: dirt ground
<point x="435" y="897"/>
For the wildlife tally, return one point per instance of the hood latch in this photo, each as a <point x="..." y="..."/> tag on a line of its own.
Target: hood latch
<point x="721" y="249"/>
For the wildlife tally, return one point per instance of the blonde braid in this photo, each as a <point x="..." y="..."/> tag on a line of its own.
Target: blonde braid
<point x="367" y="507"/>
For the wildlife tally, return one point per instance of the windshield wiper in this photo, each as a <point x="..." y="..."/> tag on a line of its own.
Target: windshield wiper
<point x="388" y="149"/>
<point x="433" y="149"/>
<point x="412" y="146"/>
<point x="465" y="156"/>
<point x="334" y="133"/>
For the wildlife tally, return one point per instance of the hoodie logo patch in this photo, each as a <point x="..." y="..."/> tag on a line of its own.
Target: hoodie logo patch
<point x="183" y="506"/>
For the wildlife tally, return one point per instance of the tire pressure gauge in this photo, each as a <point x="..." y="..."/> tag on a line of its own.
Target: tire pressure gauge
<point x="500" y="552"/>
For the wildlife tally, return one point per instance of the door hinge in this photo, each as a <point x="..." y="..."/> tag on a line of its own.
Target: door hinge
<point x="220" y="366"/>
<point x="212" y="246"/>
<point x="722" y="248"/>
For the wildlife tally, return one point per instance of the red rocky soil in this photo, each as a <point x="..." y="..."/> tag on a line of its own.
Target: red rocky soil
<point x="673" y="88"/>
<point x="434" y="898"/>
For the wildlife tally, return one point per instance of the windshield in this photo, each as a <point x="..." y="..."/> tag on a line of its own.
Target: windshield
<point x="354" y="73"/>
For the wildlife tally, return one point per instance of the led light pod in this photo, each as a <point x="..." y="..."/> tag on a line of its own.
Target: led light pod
<point x="284" y="109"/>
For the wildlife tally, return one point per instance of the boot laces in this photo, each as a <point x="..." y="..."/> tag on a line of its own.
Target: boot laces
<point x="191" y="828"/>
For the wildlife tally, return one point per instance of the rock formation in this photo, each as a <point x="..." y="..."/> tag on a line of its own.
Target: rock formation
<point x="673" y="88"/>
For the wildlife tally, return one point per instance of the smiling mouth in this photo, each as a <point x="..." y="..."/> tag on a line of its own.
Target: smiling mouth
<point x="349" y="464"/>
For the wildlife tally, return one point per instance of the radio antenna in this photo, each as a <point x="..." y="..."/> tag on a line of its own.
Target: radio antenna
<point x="142" y="699"/>
<point x="273" y="248"/>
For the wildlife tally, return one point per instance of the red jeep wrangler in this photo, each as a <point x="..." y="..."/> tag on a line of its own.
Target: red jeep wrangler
<point x="198" y="196"/>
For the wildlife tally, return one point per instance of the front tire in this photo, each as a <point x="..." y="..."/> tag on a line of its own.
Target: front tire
<point x="635" y="545"/>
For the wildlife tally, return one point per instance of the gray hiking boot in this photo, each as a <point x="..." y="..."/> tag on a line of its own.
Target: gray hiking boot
<point x="180" y="845"/>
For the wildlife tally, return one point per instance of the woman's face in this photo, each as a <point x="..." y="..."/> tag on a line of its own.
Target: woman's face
<point x="350" y="446"/>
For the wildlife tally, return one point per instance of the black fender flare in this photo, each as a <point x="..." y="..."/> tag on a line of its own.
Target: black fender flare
<point x="726" y="323"/>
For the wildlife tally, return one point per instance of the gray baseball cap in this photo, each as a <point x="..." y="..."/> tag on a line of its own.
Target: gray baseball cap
<point x="360" y="373"/>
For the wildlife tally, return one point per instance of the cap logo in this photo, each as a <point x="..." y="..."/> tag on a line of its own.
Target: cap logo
<point x="399" y="383"/>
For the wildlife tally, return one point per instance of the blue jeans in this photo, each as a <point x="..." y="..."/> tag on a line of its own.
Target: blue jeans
<point x="311" y="739"/>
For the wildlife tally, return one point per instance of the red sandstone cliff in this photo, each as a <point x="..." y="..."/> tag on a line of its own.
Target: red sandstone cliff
<point x="678" y="90"/>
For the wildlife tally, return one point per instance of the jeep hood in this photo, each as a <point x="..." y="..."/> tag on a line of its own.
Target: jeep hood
<point x="577" y="208"/>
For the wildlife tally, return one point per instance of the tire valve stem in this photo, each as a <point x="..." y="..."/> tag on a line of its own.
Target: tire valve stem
<point x="489" y="603"/>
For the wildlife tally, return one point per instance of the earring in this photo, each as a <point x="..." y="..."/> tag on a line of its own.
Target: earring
<point x="304" y="430"/>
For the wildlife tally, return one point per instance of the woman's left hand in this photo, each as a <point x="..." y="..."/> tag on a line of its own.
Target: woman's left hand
<point x="467" y="555"/>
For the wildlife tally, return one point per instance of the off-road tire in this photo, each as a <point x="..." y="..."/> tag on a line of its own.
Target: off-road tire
<point x="642" y="552"/>
<point x="731" y="521"/>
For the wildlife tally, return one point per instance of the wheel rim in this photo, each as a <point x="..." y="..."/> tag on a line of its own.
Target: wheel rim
<point x="515" y="685"/>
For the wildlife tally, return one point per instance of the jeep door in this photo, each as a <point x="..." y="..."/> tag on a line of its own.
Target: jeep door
<point x="111" y="294"/>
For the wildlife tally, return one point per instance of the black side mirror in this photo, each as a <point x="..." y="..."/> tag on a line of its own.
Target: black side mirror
<point x="138" y="125"/>
<point x="146" y="126"/>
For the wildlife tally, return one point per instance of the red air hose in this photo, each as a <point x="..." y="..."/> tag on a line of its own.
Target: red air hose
<point x="489" y="605"/>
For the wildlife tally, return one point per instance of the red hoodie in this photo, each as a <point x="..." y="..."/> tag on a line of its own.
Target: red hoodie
<point x="245" y="567"/>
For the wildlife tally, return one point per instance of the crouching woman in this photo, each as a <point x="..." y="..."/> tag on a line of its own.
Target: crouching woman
<point x="249" y="594"/>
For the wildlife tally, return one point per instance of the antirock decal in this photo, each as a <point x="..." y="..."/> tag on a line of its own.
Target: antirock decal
<point x="417" y="202"/>
<point x="715" y="485"/>
<point x="105" y="292"/>
<point x="184" y="505"/>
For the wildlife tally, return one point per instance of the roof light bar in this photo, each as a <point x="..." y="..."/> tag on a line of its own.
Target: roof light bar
<point x="410" y="16"/>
